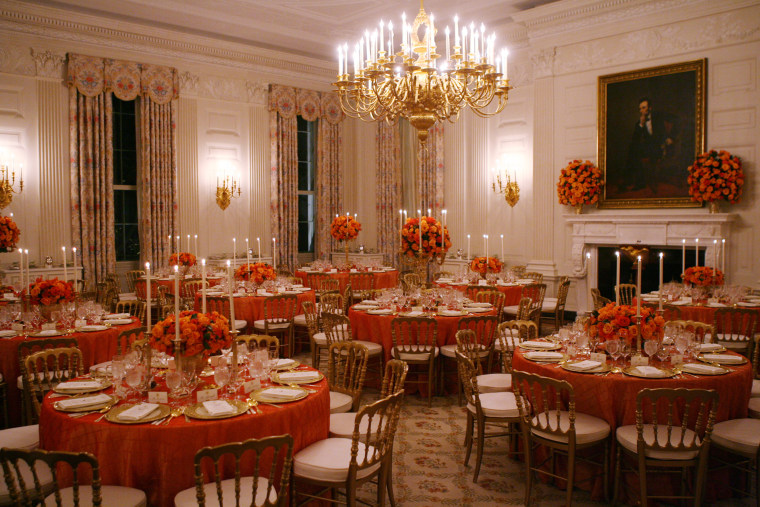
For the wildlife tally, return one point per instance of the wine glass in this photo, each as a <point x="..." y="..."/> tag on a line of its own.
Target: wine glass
<point x="613" y="349"/>
<point x="625" y="351"/>
<point x="221" y="375"/>
<point x="663" y="353"/>
<point x="134" y="379"/>
<point x="681" y="342"/>
<point x="173" y="381"/>
<point x="118" y="370"/>
<point x="650" y="347"/>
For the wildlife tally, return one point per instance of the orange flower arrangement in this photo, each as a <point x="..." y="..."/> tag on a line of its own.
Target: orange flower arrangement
<point x="256" y="272"/>
<point x="185" y="259"/>
<point x="50" y="292"/>
<point x="201" y="333"/>
<point x="431" y="237"/>
<point x="579" y="183"/>
<point x="716" y="175"/>
<point x="703" y="276"/>
<point x="344" y="227"/>
<point x="9" y="234"/>
<point x="485" y="265"/>
<point x="612" y="322"/>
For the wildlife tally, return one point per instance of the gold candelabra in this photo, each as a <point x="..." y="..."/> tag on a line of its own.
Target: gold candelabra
<point x="387" y="85"/>
<point x="508" y="187"/>
<point x="7" y="182"/>
<point x="226" y="192"/>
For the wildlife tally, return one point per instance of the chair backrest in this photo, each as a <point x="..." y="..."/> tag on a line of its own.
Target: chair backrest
<point x="704" y="333"/>
<point x="257" y="341"/>
<point x="133" y="307"/>
<point x="271" y="459"/>
<point x="189" y="288"/>
<point x="468" y="373"/>
<point x="348" y="297"/>
<point x="536" y="292"/>
<point x="347" y="367"/>
<point x="626" y="292"/>
<point x="24" y="350"/>
<point x="410" y="280"/>
<point x="735" y="324"/>
<point x="337" y="327"/>
<point x="314" y="280"/>
<point x="671" y="312"/>
<point x="414" y="335"/>
<point x="519" y="271"/>
<point x="328" y="284"/>
<point x="599" y="301"/>
<point x="495" y="297"/>
<point x="541" y="401"/>
<point x="132" y="277"/>
<point x="468" y="346"/>
<point x="47" y="368"/>
<point x="361" y="283"/>
<point x="125" y="339"/>
<point x="484" y="327"/>
<point x="562" y="292"/>
<point x="536" y="277"/>
<point x="524" y="309"/>
<point x="33" y="462"/>
<point x="394" y="378"/>
<point x="332" y="302"/>
<point x="219" y="304"/>
<point x="281" y="308"/>
<point x="312" y="317"/>
<point x="509" y="335"/>
<point x="694" y="408"/>
<point x="472" y="291"/>
<point x="376" y="423"/>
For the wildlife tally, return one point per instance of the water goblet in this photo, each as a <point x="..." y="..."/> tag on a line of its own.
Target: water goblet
<point x="173" y="381"/>
<point x="663" y="353"/>
<point x="613" y="349"/>
<point x="221" y="375"/>
<point x="625" y="351"/>
<point x="651" y="347"/>
<point x="117" y="371"/>
<point x="134" y="379"/>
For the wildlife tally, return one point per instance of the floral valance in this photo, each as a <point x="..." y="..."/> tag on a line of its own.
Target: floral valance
<point x="310" y="104"/>
<point x="92" y="75"/>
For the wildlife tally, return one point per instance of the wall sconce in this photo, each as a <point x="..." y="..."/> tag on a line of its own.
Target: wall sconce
<point x="8" y="180"/>
<point x="227" y="190"/>
<point x="506" y="186"/>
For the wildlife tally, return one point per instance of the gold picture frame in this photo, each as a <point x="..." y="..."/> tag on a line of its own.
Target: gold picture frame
<point x="651" y="127"/>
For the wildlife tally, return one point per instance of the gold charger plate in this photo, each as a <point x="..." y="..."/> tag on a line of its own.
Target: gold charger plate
<point x="288" y="366"/>
<point x="555" y="346"/>
<point x="104" y="384"/>
<point x="559" y="359"/>
<point x="602" y="368"/>
<point x="713" y="351"/>
<point x="631" y="371"/>
<point x="198" y="411"/>
<point x="276" y="378"/>
<point x="686" y="369"/>
<point x="113" y="414"/>
<point x="46" y="334"/>
<point x="702" y="358"/>
<point x="261" y="395"/>
<point x="88" y="408"/>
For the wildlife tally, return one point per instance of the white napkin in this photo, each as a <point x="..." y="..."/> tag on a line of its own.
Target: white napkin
<point x="478" y="305"/>
<point x="267" y="294"/>
<point x="218" y="407"/>
<point x="138" y="412"/>
<point x="76" y="385"/>
<point x="119" y="322"/>
<point x="525" y="281"/>
<point x="415" y="313"/>
<point x="723" y="358"/>
<point x="380" y="311"/>
<point x="370" y="302"/>
<point x="475" y="309"/>
<point x="7" y="333"/>
<point x="543" y="356"/>
<point x="284" y="362"/>
<point x="709" y="347"/>
<point x="649" y="371"/>
<point x="450" y="313"/>
<point x="280" y="393"/>
<point x="364" y="307"/>
<point x="680" y="302"/>
<point x="93" y="327"/>
<point x="537" y="345"/>
<point x="89" y="401"/>
<point x="117" y="316"/>
<point x="444" y="280"/>
<point x="298" y="375"/>
<point x="585" y="365"/>
<point x="48" y="332"/>
<point x="716" y="305"/>
<point x="704" y="369"/>
<point x="752" y="305"/>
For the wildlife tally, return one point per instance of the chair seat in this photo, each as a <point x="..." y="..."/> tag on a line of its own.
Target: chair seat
<point x="548" y="306"/>
<point x="451" y="351"/>
<point x="494" y="382"/>
<point x="588" y="429"/>
<point x="43" y="474"/>
<point x="21" y="437"/>
<point x="628" y="437"/>
<point x="187" y="498"/>
<point x="374" y="349"/>
<point x="741" y="436"/>
<point x="342" y="425"/>
<point x="754" y="408"/>
<point x="340" y="402"/>
<point x="415" y="356"/>
<point x="320" y="339"/>
<point x="755" y="388"/>
<point x="511" y="309"/>
<point x="111" y="495"/>
<point x="40" y="375"/>
<point x="300" y="320"/>
<point x="512" y="343"/>
<point x="328" y="460"/>
<point x="502" y="405"/>
<point x="274" y="326"/>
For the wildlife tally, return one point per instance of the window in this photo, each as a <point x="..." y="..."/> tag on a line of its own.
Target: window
<point x="307" y="165"/>
<point x="126" y="233"/>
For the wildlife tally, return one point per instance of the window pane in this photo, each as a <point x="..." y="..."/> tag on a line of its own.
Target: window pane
<point x="130" y="206"/>
<point x="118" y="206"/>
<point x="129" y="168"/>
<point x="132" y="243"/>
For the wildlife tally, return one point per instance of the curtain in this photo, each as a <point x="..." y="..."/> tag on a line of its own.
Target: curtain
<point x="329" y="175"/>
<point x="430" y="172"/>
<point x="388" y="184"/>
<point x="92" y="81"/>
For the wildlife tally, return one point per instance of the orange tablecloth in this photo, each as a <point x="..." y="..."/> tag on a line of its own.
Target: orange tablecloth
<point x="96" y="347"/>
<point x="140" y="285"/>
<point x="383" y="280"/>
<point x="159" y="459"/>
<point x="511" y="292"/>
<point x="251" y="308"/>
<point x="698" y="313"/>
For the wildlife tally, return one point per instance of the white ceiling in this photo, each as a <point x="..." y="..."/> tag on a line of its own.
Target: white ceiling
<point x="310" y="28"/>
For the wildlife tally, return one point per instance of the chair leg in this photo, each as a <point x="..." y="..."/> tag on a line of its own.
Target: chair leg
<point x="389" y="478"/>
<point x="570" y="477"/>
<point x="528" y="465"/>
<point x="468" y="437"/>
<point x="616" y="483"/>
<point x="642" y="481"/>
<point x="481" y="439"/>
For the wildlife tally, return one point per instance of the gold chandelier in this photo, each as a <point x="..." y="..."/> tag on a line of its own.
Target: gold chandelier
<point x="8" y="180"/>
<point x="387" y="85"/>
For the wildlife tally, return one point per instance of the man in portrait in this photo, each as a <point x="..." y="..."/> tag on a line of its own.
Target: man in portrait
<point x="655" y="148"/>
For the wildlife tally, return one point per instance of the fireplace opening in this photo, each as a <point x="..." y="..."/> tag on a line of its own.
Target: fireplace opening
<point x="650" y="260"/>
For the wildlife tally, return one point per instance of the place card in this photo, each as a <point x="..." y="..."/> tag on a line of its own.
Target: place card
<point x="80" y="323"/>
<point x="251" y="385"/>
<point x="207" y="395"/>
<point x="17" y="327"/>
<point x="50" y="326"/>
<point x="639" y="361"/>
<point x="158" y="397"/>
<point x="482" y="282"/>
<point x="676" y="358"/>
<point x="598" y="356"/>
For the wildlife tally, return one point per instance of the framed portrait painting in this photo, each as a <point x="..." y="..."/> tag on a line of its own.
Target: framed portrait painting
<point x="651" y="127"/>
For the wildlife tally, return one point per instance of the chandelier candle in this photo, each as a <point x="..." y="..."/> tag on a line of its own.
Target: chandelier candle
<point x="178" y="249"/>
<point x="233" y="331"/>
<point x="715" y="254"/>
<point x="147" y="294"/>
<point x="589" y="296"/>
<point x="188" y="242"/>
<point x="502" y="248"/>
<point x="723" y="256"/>
<point x="203" y="285"/>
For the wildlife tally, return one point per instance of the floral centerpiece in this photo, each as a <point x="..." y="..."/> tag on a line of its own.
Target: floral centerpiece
<point x="185" y="260"/>
<point x="613" y="322"/>
<point x="257" y="272"/>
<point x="703" y="276"/>
<point x="484" y="265"/>
<point x="716" y="175"/>
<point x="345" y="228"/>
<point x="9" y="234"/>
<point x="201" y="333"/>
<point x="579" y="183"/>
<point x="431" y="238"/>
<point x="50" y="292"/>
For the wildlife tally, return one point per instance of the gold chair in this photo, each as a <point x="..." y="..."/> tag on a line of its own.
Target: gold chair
<point x="442" y="274"/>
<point x="508" y="336"/>
<point x="187" y="291"/>
<point x="469" y="346"/>
<point x="736" y="443"/>
<point x="626" y="293"/>
<point x="415" y="342"/>
<point x="134" y="307"/>
<point x="340" y="463"/>
<point x="495" y="297"/>
<point x="348" y="298"/>
<point x="655" y="444"/>
<point x="535" y="292"/>
<point x="271" y="459"/>
<point x="554" y="308"/>
<point x="279" y="312"/>
<point x="125" y="339"/>
<point x="314" y="280"/>
<point x="221" y="305"/>
<point x="31" y="475"/>
<point x="671" y="312"/>
<point x="536" y="277"/>
<point x="598" y="300"/>
<point x="410" y="281"/>
<point x="346" y="369"/>
<point x="47" y="368"/>
<point x="332" y="302"/>
<point x="497" y="408"/>
<point x="132" y="276"/>
<point x="483" y="327"/>
<point x="518" y="271"/>
<point x="362" y="285"/>
<point x="546" y="422"/>
<point x="328" y="285"/>
<point x="258" y="341"/>
<point x="735" y="328"/>
<point x="472" y="291"/>
<point x="704" y="333"/>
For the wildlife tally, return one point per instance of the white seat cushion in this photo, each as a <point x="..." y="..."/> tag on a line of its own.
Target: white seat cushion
<point x="627" y="437"/>
<point x="551" y="300"/>
<point x="300" y="320"/>
<point x="340" y="402"/>
<point x="512" y="342"/>
<point x="320" y="338"/>
<point x="261" y="324"/>
<point x="497" y="405"/>
<point x="187" y="498"/>
<point x="239" y="324"/>
<point x="451" y="351"/>
<point x="40" y="375"/>
<point x="754" y="408"/>
<point x="111" y="495"/>
<point x="374" y="349"/>
<point x="43" y="474"/>
<point x="549" y="306"/>
<point x="511" y="309"/>
<point x="328" y="460"/>
<point x="741" y="436"/>
<point x="755" y="388"/>
<point x="342" y="425"/>
<point x="21" y="437"/>
<point x="411" y="356"/>
<point x="587" y="427"/>
<point x="494" y="382"/>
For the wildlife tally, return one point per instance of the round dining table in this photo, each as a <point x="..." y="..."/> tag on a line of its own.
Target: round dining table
<point x="511" y="291"/>
<point x="159" y="459"/>
<point x="699" y="313"/>
<point x="251" y="307"/>
<point x="383" y="279"/>
<point x="168" y="282"/>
